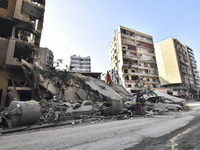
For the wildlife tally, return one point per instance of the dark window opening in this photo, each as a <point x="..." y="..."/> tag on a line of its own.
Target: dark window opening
<point x="154" y="80"/>
<point x="134" y="77"/>
<point x="6" y="28"/>
<point x="127" y="78"/>
<point x="129" y="85"/>
<point x="23" y="52"/>
<point x="133" y="71"/>
<point x="154" y="85"/>
<point x="169" y="92"/>
<point x="141" y="79"/>
<point x="4" y="4"/>
<point x="133" y="91"/>
<point x="125" y="70"/>
<point x="25" y="95"/>
<point x="148" y="80"/>
<point x="124" y="31"/>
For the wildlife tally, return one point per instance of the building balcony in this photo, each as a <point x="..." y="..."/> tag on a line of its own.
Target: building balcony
<point x="146" y="53"/>
<point x="138" y="59"/>
<point x="149" y="82"/>
<point x="138" y="38"/>
<point x="128" y="42"/>
<point x="137" y="66"/>
<point x="141" y="74"/>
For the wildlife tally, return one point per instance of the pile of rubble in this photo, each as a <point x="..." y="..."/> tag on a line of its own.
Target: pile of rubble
<point x="84" y="97"/>
<point x="68" y="96"/>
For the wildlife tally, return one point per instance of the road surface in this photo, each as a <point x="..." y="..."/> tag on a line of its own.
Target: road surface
<point x="156" y="133"/>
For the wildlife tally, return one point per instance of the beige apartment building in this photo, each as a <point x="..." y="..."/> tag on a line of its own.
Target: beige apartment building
<point x="174" y="66"/>
<point x="132" y="57"/>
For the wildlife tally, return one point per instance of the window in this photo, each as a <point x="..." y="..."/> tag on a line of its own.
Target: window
<point x="127" y="78"/>
<point x="125" y="70"/>
<point x="129" y="85"/>
<point x="4" y="4"/>
<point x="134" y="77"/>
<point x="148" y="80"/>
<point x="133" y="71"/>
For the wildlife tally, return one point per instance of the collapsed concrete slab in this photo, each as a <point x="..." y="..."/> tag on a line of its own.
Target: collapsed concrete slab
<point x="81" y="93"/>
<point x="70" y="95"/>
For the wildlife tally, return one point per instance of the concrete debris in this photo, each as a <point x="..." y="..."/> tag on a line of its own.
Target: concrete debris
<point x="69" y="96"/>
<point x="81" y="93"/>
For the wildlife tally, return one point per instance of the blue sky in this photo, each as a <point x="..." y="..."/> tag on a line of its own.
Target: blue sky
<point x="86" y="27"/>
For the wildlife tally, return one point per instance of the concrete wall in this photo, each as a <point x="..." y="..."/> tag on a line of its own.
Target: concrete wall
<point x="9" y="12"/>
<point x="3" y="51"/>
<point x="167" y="62"/>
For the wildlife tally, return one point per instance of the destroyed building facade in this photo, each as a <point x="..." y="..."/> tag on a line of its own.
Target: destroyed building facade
<point x="132" y="56"/>
<point x="193" y="65"/>
<point x="80" y="64"/>
<point x="176" y="66"/>
<point x="46" y="57"/>
<point x="21" y="23"/>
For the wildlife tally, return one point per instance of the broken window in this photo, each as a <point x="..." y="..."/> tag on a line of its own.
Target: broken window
<point x="23" y="51"/>
<point x="124" y="31"/>
<point x="127" y="78"/>
<point x="125" y="70"/>
<point x="4" y="4"/>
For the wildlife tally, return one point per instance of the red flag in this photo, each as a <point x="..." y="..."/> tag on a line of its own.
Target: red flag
<point x="109" y="81"/>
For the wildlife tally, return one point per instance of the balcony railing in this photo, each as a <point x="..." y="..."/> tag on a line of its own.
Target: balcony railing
<point x="138" y="58"/>
<point x="142" y="74"/>
<point x="137" y="38"/>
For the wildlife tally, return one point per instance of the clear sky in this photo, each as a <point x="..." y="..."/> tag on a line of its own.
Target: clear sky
<point x="86" y="27"/>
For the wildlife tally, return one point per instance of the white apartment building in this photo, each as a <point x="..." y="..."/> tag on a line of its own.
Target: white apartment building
<point x="80" y="64"/>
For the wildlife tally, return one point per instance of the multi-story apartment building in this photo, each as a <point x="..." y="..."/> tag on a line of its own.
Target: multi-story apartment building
<point x="193" y="66"/>
<point x="46" y="57"/>
<point x="80" y="64"/>
<point x="132" y="56"/>
<point x="21" y="24"/>
<point x="174" y="66"/>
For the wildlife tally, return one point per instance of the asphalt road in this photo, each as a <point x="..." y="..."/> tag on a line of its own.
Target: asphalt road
<point x="185" y="138"/>
<point x="178" y="130"/>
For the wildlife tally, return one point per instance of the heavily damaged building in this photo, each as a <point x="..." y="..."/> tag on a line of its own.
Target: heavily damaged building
<point x="21" y="23"/>
<point x="132" y="56"/>
<point x="193" y="65"/>
<point x="176" y="69"/>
